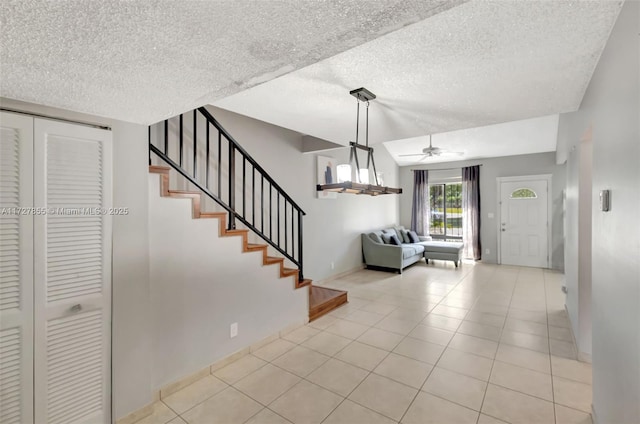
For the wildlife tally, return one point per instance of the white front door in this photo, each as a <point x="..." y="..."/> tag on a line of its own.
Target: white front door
<point x="523" y="222"/>
<point x="72" y="269"/>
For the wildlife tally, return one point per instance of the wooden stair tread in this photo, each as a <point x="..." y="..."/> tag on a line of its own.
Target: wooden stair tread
<point x="273" y="260"/>
<point x="254" y="246"/>
<point x="237" y="231"/>
<point x="289" y="271"/>
<point x="189" y="192"/>
<point x="323" y="300"/>
<point x="156" y="169"/>
<point x="303" y="283"/>
<point x="213" y="214"/>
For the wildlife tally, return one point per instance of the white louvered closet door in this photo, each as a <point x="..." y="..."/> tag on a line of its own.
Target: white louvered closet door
<point x="16" y="269"/>
<point x="72" y="256"/>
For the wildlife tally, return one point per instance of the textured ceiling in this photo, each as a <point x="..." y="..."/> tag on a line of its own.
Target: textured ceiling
<point x="480" y="63"/>
<point x="511" y="138"/>
<point x="143" y="61"/>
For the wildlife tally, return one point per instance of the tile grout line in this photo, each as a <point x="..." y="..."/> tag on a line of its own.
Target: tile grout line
<point x="546" y="309"/>
<point x="388" y="354"/>
<point x="484" y="395"/>
<point x="442" y="353"/>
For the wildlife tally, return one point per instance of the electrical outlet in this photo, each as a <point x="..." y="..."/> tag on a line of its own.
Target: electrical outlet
<point x="233" y="330"/>
<point x="333" y="265"/>
<point x="487" y="251"/>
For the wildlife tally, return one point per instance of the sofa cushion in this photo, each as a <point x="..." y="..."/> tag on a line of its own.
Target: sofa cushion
<point x="408" y="251"/>
<point x="417" y="247"/>
<point x="376" y="236"/>
<point x="391" y="239"/>
<point x="405" y="236"/>
<point x="441" y="246"/>
<point x="413" y="237"/>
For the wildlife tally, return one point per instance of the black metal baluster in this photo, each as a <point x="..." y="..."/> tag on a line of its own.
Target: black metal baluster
<point x="262" y="203"/>
<point x="232" y="185"/>
<point x="181" y="139"/>
<point x="207" y="161"/>
<point x="244" y="187"/>
<point x="149" y="145"/>
<point x="195" y="143"/>
<point x="301" y="277"/>
<point x="219" y="164"/>
<point x="270" y="212"/>
<point x="253" y="195"/>
<point x="293" y="253"/>
<point x="285" y="225"/>
<point x="166" y="137"/>
<point x="278" y="207"/>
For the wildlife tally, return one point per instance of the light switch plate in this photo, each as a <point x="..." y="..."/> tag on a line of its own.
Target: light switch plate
<point x="605" y="200"/>
<point x="490" y="215"/>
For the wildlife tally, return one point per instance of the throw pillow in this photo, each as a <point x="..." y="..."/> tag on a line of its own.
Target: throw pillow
<point x="394" y="240"/>
<point x="414" y="237"/>
<point x="405" y="236"/>
<point x="375" y="238"/>
<point x="386" y="238"/>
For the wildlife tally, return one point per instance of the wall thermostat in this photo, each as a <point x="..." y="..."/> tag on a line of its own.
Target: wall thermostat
<point x="605" y="200"/>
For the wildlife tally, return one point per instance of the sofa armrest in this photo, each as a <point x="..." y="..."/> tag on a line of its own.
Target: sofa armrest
<point x="383" y="255"/>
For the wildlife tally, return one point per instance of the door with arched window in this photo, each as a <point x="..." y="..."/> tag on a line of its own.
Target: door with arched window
<point x="524" y="221"/>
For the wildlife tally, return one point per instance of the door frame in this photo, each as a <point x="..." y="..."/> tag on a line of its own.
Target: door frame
<point x="499" y="181"/>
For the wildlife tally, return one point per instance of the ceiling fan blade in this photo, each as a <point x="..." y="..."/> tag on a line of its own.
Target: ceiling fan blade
<point x="414" y="154"/>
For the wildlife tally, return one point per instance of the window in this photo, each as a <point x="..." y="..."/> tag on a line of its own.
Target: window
<point x="445" y="201"/>
<point x="523" y="193"/>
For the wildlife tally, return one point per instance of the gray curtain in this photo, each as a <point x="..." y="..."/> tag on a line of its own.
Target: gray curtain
<point x="420" y="209"/>
<point x="471" y="212"/>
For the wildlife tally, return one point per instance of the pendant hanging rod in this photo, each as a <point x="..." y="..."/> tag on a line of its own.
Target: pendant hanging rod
<point x="367" y="137"/>
<point x="357" y="119"/>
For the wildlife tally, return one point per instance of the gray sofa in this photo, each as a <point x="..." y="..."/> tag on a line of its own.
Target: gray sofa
<point x="378" y="254"/>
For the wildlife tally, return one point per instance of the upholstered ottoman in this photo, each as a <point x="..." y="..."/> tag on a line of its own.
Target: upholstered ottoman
<point x="445" y="251"/>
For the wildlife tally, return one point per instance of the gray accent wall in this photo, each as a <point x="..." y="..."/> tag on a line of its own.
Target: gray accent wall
<point x="492" y="168"/>
<point x="611" y="110"/>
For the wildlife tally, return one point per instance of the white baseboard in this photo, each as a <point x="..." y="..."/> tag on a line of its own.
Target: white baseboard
<point x="339" y="275"/>
<point x="594" y="417"/>
<point x="179" y="384"/>
<point x="584" y="357"/>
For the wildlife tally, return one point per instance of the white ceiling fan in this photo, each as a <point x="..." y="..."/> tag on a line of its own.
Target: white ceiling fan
<point x="431" y="151"/>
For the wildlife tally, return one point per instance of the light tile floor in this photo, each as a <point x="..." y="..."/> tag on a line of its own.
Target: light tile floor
<point x="479" y="344"/>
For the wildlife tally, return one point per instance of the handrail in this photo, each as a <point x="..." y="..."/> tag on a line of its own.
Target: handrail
<point x="228" y="136"/>
<point x="247" y="217"/>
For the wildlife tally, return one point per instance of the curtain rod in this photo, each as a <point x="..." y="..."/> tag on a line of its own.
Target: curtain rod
<point x="442" y="169"/>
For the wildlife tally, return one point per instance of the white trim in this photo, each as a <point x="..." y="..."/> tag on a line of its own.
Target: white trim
<point x="549" y="179"/>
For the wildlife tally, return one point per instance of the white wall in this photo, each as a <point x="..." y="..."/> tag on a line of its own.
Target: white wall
<point x="332" y="228"/>
<point x="131" y="337"/>
<point x="611" y="107"/>
<point x="577" y="246"/>
<point x="202" y="284"/>
<point x="492" y="168"/>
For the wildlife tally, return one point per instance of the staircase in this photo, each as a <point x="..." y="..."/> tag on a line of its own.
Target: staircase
<point x="218" y="171"/>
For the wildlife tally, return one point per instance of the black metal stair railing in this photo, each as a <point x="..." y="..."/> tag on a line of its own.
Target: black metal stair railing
<point x="206" y="155"/>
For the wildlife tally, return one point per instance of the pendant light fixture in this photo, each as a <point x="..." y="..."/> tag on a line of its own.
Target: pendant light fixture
<point x="362" y="175"/>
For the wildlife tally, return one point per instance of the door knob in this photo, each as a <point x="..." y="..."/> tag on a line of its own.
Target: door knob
<point x="76" y="308"/>
<point x="504" y="229"/>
